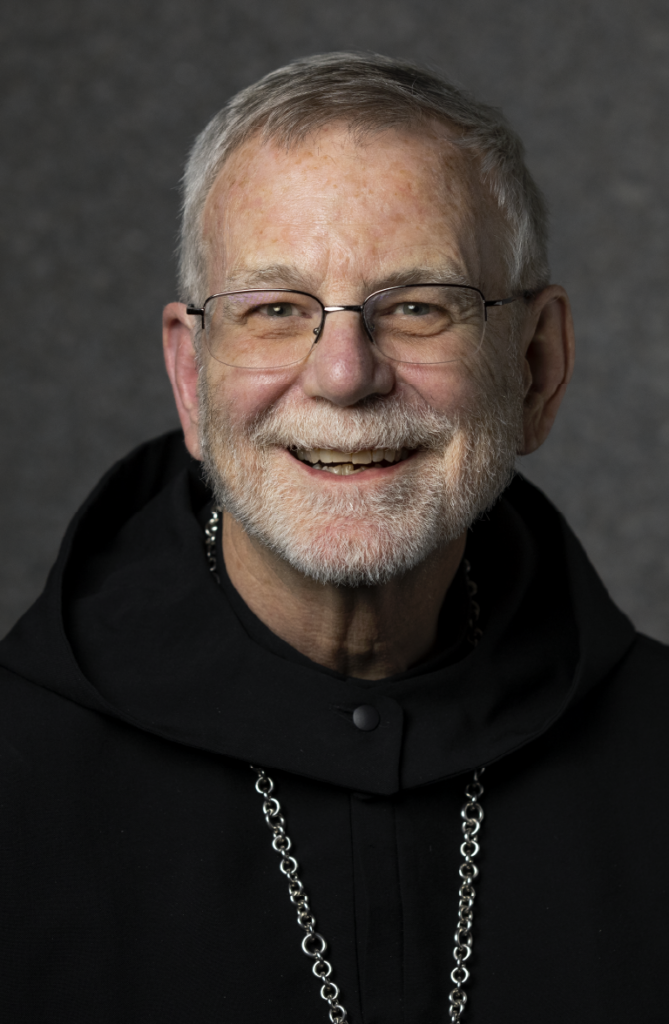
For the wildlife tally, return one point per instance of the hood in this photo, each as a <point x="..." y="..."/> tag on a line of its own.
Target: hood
<point x="132" y="625"/>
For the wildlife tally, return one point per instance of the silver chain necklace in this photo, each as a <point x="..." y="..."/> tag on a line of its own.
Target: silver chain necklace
<point x="313" y="943"/>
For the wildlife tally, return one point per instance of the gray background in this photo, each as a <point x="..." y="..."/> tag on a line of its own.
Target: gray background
<point x="100" y="103"/>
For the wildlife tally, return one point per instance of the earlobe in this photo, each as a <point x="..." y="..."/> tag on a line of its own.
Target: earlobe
<point x="549" y="362"/>
<point x="182" y="368"/>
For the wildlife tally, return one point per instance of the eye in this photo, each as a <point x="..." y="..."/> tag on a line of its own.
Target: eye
<point x="278" y="309"/>
<point x="415" y="309"/>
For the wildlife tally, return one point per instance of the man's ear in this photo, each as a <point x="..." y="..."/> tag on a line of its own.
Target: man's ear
<point x="548" y="346"/>
<point x="182" y="369"/>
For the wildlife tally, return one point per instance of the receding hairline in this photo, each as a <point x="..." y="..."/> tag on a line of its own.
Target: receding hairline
<point x="443" y="133"/>
<point x="371" y="94"/>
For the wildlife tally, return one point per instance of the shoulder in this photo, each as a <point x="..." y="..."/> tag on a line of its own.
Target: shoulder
<point x="41" y="731"/>
<point x="648" y="658"/>
<point x="630" y="706"/>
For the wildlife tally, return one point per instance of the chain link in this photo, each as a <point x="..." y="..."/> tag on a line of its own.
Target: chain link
<point x="472" y="815"/>
<point x="313" y="944"/>
<point x="210" y="532"/>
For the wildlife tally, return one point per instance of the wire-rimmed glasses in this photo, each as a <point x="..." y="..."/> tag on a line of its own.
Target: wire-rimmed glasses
<point x="272" y="328"/>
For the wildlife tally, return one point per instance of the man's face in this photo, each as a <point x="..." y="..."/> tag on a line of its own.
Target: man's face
<point x="341" y="219"/>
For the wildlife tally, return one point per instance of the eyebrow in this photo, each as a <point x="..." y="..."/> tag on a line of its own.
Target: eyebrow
<point x="443" y="273"/>
<point x="283" y="275"/>
<point x="276" y="275"/>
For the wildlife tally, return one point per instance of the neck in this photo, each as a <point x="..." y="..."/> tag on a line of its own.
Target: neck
<point x="364" y="632"/>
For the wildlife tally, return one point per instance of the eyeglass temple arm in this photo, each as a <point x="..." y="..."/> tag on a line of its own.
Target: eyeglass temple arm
<point x="504" y="302"/>
<point x="196" y="311"/>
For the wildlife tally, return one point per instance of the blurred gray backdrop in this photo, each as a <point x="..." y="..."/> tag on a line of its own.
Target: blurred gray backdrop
<point x="100" y="103"/>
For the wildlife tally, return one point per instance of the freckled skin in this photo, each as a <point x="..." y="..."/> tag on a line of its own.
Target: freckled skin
<point x="348" y="216"/>
<point x="343" y="217"/>
<point x="346" y="213"/>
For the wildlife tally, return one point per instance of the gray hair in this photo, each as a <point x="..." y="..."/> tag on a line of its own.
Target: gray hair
<point x="369" y="93"/>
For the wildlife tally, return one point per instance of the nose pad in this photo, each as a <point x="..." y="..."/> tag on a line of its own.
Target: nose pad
<point x="361" y="326"/>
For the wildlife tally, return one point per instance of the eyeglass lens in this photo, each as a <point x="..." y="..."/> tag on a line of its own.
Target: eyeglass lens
<point x="414" y="324"/>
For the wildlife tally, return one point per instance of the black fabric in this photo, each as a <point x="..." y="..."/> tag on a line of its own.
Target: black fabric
<point x="138" y="883"/>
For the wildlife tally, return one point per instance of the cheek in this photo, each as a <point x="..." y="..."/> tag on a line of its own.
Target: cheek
<point x="447" y="389"/>
<point x="499" y="368"/>
<point x="247" y="394"/>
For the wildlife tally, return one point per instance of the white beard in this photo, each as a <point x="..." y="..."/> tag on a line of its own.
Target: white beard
<point x="362" y="536"/>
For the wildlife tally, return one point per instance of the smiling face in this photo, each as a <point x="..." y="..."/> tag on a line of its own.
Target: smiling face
<point x="352" y="466"/>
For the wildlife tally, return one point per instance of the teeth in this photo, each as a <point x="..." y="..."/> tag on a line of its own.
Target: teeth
<point x="345" y="463"/>
<point x="341" y="469"/>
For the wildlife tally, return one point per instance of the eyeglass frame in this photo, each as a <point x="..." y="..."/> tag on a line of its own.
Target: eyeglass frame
<point x="192" y="310"/>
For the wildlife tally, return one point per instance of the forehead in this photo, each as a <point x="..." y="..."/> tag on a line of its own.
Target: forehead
<point x="334" y="206"/>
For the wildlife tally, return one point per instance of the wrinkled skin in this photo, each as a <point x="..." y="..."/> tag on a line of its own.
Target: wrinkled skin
<point x="339" y="219"/>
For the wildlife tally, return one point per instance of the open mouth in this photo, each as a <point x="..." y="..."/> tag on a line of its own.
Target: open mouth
<point x="348" y="463"/>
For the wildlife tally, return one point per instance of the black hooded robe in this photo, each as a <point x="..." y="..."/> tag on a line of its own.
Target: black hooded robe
<point x="137" y="880"/>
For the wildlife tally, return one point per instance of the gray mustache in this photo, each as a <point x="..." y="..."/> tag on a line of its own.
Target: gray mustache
<point x="380" y="423"/>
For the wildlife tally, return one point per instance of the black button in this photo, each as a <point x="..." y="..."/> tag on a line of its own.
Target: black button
<point x="366" y="717"/>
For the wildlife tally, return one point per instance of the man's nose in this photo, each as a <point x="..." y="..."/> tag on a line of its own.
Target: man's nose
<point x="344" y="366"/>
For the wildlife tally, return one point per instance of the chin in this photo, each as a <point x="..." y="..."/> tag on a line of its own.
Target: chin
<point x="337" y="553"/>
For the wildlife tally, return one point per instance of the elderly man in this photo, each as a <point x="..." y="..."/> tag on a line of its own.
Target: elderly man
<point x="305" y="620"/>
